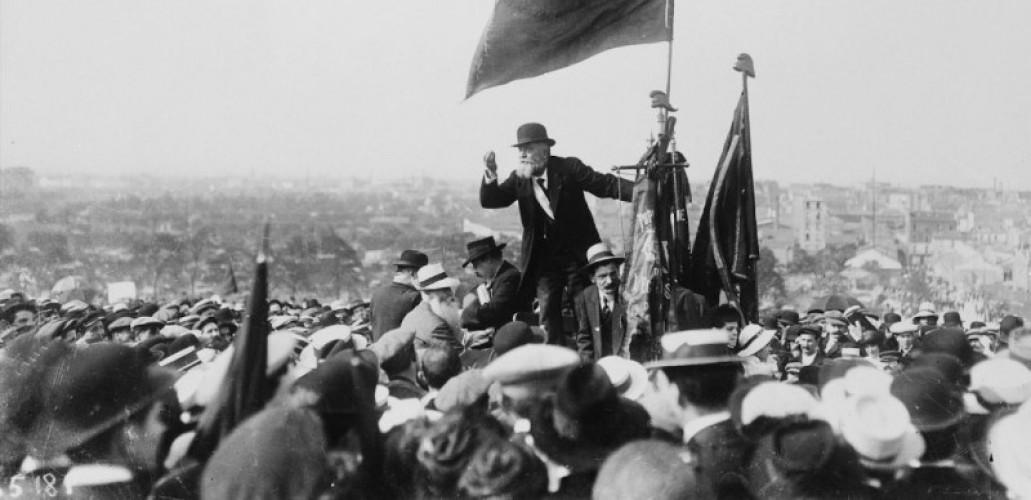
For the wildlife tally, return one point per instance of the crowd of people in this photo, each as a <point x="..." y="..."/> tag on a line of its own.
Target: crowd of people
<point x="531" y="385"/>
<point x="419" y="393"/>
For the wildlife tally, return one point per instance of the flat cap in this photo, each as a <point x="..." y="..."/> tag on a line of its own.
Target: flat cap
<point x="145" y="322"/>
<point x="531" y="362"/>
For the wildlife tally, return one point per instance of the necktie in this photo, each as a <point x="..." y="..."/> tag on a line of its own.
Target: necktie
<point x="540" y="182"/>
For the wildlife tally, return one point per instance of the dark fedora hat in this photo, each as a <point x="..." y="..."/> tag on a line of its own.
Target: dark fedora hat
<point x="482" y="248"/>
<point x="933" y="402"/>
<point x="599" y="254"/>
<point x="412" y="258"/>
<point x="90" y="390"/>
<point x="532" y="132"/>
<point x="587" y="420"/>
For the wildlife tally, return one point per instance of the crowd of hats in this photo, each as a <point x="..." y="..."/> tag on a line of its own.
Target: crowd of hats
<point x="886" y="399"/>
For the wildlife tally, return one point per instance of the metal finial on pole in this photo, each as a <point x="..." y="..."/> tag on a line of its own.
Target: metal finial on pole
<point x="746" y="67"/>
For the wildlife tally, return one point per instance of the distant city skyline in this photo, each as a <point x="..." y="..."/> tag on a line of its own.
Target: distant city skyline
<point x="913" y="93"/>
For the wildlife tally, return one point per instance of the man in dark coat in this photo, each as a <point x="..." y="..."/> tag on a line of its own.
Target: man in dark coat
<point x="495" y="302"/>
<point x="700" y="372"/>
<point x="390" y="303"/>
<point x="558" y="227"/>
<point x="599" y="311"/>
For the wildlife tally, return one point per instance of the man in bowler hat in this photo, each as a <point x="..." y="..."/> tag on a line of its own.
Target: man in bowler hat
<point x="558" y="227"/>
<point x="391" y="302"/>
<point x="494" y="302"/>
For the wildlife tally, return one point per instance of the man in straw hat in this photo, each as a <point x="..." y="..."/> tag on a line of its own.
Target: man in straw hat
<point x="698" y="374"/>
<point x="558" y="227"/>
<point x="436" y="318"/>
<point x="600" y="314"/>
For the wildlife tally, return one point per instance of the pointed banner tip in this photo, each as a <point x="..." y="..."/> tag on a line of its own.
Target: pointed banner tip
<point x="263" y="250"/>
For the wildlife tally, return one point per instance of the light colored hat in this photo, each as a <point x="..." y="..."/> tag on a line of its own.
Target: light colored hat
<point x="338" y="305"/>
<point x="776" y="400"/>
<point x="902" y="327"/>
<point x="694" y="348"/>
<point x="753" y="339"/>
<point x="309" y="358"/>
<point x="1001" y="381"/>
<point x="434" y="277"/>
<point x="879" y="429"/>
<point x="627" y="376"/>
<point x="599" y="254"/>
<point x="530" y="363"/>
<point x="145" y="322"/>
<point x="1008" y="442"/>
<point x="281" y="322"/>
<point x="925" y="313"/>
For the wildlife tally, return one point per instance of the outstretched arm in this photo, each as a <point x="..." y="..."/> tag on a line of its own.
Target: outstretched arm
<point x="599" y="184"/>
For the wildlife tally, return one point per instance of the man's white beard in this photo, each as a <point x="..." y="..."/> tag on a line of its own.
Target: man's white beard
<point x="526" y="169"/>
<point x="449" y="312"/>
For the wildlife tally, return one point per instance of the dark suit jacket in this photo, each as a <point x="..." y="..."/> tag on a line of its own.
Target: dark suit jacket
<point x="591" y="330"/>
<point x="721" y="455"/>
<point x="574" y="228"/>
<point x="389" y="305"/>
<point x="430" y="328"/>
<point x="504" y="301"/>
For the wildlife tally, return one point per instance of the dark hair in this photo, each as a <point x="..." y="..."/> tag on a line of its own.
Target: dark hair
<point x="439" y="363"/>
<point x="399" y="461"/>
<point x="706" y="386"/>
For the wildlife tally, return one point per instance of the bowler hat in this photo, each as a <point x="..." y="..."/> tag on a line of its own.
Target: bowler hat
<point x="599" y="254"/>
<point x="532" y="132"/>
<point x="788" y="317"/>
<point x="412" y="258"/>
<point x="482" y="248"/>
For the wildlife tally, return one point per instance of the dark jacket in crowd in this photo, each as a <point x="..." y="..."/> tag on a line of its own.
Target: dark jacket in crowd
<point x="598" y="334"/>
<point x="505" y="301"/>
<point x="721" y="456"/>
<point x="389" y="305"/>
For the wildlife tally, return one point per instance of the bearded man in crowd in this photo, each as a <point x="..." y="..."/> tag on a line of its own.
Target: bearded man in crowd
<point x="436" y="319"/>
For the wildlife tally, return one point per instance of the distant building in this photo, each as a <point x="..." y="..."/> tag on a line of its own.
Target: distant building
<point x="811" y="224"/>
<point x="16" y="181"/>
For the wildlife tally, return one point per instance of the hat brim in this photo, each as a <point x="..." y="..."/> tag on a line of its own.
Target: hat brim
<point x="704" y="361"/>
<point x="588" y="453"/>
<point x="547" y="140"/>
<point x="484" y="253"/>
<point x="912" y="449"/>
<point x="606" y="260"/>
<point x="764" y="339"/>
<point x="49" y="439"/>
<point x="444" y="284"/>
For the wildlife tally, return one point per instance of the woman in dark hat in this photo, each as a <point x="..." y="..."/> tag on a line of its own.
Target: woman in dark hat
<point x="586" y="421"/>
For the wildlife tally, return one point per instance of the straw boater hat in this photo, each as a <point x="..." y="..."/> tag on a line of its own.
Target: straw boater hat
<point x="878" y="427"/>
<point x="753" y="338"/>
<point x="628" y="376"/>
<point x="434" y="277"/>
<point x="694" y="348"/>
<point x="599" y="254"/>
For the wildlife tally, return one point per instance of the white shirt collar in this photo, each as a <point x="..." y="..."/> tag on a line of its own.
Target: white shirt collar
<point x="693" y="427"/>
<point x="605" y="299"/>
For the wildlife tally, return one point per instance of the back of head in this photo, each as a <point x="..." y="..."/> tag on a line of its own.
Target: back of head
<point x="250" y="465"/>
<point x="649" y="469"/>
<point x="503" y="469"/>
<point x="512" y="335"/>
<point x="707" y="386"/>
<point x="446" y="448"/>
<point x="439" y="363"/>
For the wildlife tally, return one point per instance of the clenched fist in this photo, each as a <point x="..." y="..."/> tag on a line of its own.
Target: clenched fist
<point x="489" y="163"/>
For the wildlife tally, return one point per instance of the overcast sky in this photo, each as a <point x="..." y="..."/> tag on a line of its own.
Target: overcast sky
<point x="919" y="91"/>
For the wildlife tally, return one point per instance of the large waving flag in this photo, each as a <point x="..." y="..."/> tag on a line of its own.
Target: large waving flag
<point x="527" y="38"/>
<point x="726" y="245"/>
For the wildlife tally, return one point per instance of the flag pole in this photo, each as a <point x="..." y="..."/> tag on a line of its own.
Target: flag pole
<point x="669" y="47"/>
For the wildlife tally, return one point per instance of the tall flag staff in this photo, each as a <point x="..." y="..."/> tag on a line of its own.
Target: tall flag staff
<point x="726" y="248"/>
<point x="246" y="389"/>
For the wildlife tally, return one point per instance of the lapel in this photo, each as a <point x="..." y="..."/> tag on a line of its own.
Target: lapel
<point x="594" y="316"/>
<point x="554" y="185"/>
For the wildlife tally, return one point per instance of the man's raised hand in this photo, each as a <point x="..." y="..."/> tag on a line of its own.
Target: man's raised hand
<point x="489" y="163"/>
